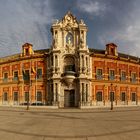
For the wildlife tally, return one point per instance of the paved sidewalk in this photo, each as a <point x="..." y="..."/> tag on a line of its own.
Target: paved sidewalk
<point x="69" y="124"/>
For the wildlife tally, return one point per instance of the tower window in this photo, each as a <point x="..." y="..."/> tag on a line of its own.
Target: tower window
<point x="27" y="51"/>
<point x="55" y="32"/>
<point x="112" y="51"/>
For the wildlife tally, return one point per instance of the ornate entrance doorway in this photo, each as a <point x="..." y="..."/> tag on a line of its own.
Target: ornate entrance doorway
<point x="69" y="98"/>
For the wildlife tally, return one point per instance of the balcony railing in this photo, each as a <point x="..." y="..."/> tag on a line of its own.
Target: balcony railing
<point x="133" y="80"/>
<point x="5" y="80"/>
<point x="123" y="78"/>
<point x="70" y="73"/>
<point x="15" y="79"/>
<point x="111" y="77"/>
<point x="39" y="76"/>
<point x="99" y="77"/>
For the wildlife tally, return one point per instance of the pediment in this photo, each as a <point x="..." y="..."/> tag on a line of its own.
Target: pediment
<point x="69" y="21"/>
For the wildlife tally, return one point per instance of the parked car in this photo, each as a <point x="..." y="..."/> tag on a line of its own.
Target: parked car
<point x="37" y="104"/>
<point x="24" y="103"/>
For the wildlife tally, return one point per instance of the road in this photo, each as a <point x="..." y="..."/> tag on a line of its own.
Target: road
<point x="70" y="124"/>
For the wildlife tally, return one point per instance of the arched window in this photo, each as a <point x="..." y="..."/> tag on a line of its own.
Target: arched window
<point x="69" y="64"/>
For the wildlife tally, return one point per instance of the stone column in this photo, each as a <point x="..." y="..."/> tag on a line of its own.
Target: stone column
<point x="53" y="60"/>
<point x="80" y="64"/>
<point x="118" y="95"/>
<point x="84" y="62"/>
<point x="81" y="94"/>
<point x="54" y="94"/>
<point x="85" y="93"/>
<point x="94" y="94"/>
<point x="128" y="95"/>
<point x="105" y="91"/>
<point x="11" y="97"/>
<point x="137" y="95"/>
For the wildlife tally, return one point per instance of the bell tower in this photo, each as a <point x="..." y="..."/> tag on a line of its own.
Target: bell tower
<point x="69" y="63"/>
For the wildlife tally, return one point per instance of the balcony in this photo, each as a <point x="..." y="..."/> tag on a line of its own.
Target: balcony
<point x="69" y="77"/>
<point x="111" y="77"/>
<point x="5" y="80"/>
<point x="123" y="78"/>
<point x="133" y="80"/>
<point x="99" y="77"/>
<point x="15" y="79"/>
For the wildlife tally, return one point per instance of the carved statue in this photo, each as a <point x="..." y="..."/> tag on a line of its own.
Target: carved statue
<point x="69" y="40"/>
<point x="82" y="21"/>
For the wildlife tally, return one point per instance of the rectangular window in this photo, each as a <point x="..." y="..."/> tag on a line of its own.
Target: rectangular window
<point x="15" y="96"/>
<point x="82" y="91"/>
<point x="15" y="76"/>
<point x="111" y="75"/>
<point x="133" y="77"/>
<point x="99" y="96"/>
<point x="26" y="75"/>
<point x="112" y="97"/>
<point x="5" y="96"/>
<point x="133" y="97"/>
<point x="39" y="96"/>
<point x="5" y="77"/>
<point x="27" y="51"/>
<point x="123" y="76"/>
<point x="39" y="73"/>
<point x="123" y="96"/>
<point x="99" y="74"/>
<point x="26" y="96"/>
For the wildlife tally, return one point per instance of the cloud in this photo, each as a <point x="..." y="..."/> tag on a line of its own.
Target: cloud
<point x="24" y="21"/>
<point x="126" y="36"/>
<point x="91" y="7"/>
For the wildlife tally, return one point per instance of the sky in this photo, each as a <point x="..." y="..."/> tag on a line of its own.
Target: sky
<point x="108" y="21"/>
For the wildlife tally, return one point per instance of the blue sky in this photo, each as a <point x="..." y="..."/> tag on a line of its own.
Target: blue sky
<point x="115" y="21"/>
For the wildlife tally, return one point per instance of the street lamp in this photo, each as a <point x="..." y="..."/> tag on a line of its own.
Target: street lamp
<point x="111" y="93"/>
<point x="136" y="99"/>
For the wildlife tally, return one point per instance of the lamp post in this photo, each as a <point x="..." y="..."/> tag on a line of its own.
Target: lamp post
<point x="136" y="99"/>
<point x="111" y="93"/>
<point x="27" y="102"/>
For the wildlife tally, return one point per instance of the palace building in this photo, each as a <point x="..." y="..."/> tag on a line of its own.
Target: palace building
<point x="69" y="74"/>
